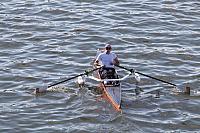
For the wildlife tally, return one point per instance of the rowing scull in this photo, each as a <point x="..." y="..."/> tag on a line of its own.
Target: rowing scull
<point x="112" y="91"/>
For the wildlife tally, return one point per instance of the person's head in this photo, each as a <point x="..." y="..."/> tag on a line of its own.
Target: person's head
<point x="108" y="47"/>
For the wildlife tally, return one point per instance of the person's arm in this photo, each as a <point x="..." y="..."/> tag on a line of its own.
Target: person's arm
<point x="96" y="62"/>
<point x="116" y="61"/>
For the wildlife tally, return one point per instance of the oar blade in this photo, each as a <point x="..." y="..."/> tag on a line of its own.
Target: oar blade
<point x="42" y="89"/>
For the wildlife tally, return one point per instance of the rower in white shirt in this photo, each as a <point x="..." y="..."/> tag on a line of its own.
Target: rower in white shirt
<point x="107" y="59"/>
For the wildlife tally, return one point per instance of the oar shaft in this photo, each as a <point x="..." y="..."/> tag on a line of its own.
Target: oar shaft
<point x="65" y="80"/>
<point x="156" y="78"/>
<point x="85" y="73"/>
<point x="131" y="70"/>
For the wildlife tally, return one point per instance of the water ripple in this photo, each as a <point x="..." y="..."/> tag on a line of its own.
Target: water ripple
<point x="43" y="42"/>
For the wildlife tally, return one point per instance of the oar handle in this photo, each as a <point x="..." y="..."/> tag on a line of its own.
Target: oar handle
<point x="131" y="70"/>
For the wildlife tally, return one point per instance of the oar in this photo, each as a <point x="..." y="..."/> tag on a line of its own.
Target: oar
<point x="131" y="70"/>
<point x="38" y="90"/>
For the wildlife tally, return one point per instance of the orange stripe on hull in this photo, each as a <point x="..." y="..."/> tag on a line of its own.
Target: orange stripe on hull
<point x="115" y="105"/>
<point x="110" y="98"/>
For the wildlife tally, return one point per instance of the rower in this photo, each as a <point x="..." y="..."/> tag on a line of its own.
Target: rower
<point x="107" y="59"/>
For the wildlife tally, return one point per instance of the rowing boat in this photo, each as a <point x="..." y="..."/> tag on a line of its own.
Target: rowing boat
<point x="111" y="88"/>
<point x="109" y="84"/>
